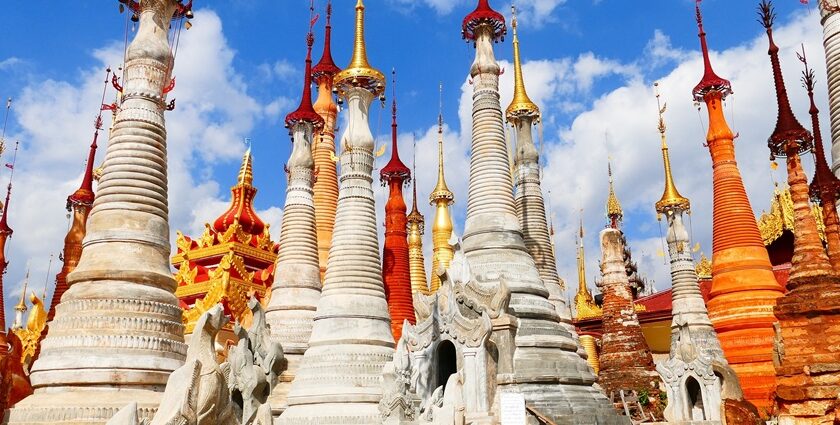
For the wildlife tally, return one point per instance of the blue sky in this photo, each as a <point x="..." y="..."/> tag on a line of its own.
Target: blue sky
<point x="589" y="64"/>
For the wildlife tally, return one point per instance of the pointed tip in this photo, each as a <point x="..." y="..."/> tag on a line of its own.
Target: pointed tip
<point x="710" y="82"/>
<point x="246" y="171"/>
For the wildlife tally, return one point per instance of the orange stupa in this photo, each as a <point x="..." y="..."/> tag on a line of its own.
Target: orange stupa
<point x="323" y="150"/>
<point x="396" y="272"/>
<point x="744" y="290"/>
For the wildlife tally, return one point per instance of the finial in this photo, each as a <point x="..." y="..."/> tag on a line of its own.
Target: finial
<point x="5" y="121"/>
<point x="614" y="211"/>
<point x="441" y="191"/>
<point x="246" y="171"/>
<point x="671" y="198"/>
<point x="21" y="307"/>
<point x="305" y="112"/>
<point x="359" y="72"/>
<point x="47" y="278"/>
<point x="711" y="82"/>
<point x="789" y="137"/>
<point x="394" y="169"/>
<point x="414" y="215"/>
<point x="84" y="195"/>
<point x="326" y="67"/>
<point x="5" y="230"/>
<point x="521" y="105"/>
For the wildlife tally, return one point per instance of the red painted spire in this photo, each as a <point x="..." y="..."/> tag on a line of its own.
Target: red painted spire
<point x="5" y="230"/>
<point x="242" y="203"/>
<point x="788" y="127"/>
<point x="84" y="194"/>
<point x="326" y="67"/>
<point x="395" y="169"/>
<point x="824" y="179"/>
<point x="305" y="112"/>
<point x="711" y="81"/>
<point x="484" y="14"/>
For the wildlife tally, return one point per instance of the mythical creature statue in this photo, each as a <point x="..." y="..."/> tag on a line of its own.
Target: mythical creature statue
<point x="203" y="393"/>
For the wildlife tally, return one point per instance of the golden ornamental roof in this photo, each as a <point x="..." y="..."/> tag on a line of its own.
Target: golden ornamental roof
<point x="703" y="267"/>
<point x="521" y="105"/>
<point x="671" y="198"/>
<point x="773" y="224"/>
<point x="613" y="206"/>
<point x="360" y="73"/>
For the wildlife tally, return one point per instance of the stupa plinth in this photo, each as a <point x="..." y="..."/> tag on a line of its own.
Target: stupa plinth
<point x="117" y="335"/>
<point x="338" y="380"/>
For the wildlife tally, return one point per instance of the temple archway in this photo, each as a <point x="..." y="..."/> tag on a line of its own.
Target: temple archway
<point x="694" y="392"/>
<point x="446" y="362"/>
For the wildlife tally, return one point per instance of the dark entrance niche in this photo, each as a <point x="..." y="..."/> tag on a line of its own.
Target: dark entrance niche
<point x="695" y="399"/>
<point x="447" y="362"/>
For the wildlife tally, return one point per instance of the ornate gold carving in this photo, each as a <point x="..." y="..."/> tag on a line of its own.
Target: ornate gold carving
<point x="773" y="224"/>
<point x="186" y="275"/>
<point x="704" y="267"/>
<point x="30" y="336"/>
<point x="182" y="242"/>
<point x="207" y="238"/>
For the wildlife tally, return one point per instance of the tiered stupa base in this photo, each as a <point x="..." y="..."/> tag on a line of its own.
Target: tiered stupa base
<point x="808" y="379"/>
<point x="89" y="407"/>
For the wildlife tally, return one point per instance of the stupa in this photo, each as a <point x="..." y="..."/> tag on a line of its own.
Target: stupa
<point x="441" y="198"/>
<point x="744" y="289"/>
<point x="117" y="334"/>
<point x="338" y="380"/>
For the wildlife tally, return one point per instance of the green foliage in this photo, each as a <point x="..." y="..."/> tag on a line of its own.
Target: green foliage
<point x="644" y="397"/>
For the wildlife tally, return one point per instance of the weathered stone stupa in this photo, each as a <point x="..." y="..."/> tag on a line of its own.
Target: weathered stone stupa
<point x="696" y="365"/>
<point x="625" y="358"/>
<point x="323" y="149"/>
<point x="297" y="279"/>
<point x="830" y="20"/>
<point x="744" y="289"/>
<point x="806" y="353"/>
<point x="396" y="268"/>
<point x="338" y="381"/>
<point x="545" y="367"/>
<point x="117" y="334"/>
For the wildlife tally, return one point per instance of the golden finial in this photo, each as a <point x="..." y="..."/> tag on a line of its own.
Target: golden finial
<point x="441" y="191"/>
<point x="614" y="211"/>
<point x="359" y="73"/>
<point x="671" y="198"/>
<point x="521" y="105"/>
<point x="414" y="216"/>
<point x="585" y="306"/>
<point x="246" y="172"/>
<point x="21" y="307"/>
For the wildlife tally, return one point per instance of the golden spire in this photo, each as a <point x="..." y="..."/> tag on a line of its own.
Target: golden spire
<point x="585" y="307"/>
<point x="21" y="307"/>
<point x="359" y="73"/>
<point x="614" y="211"/>
<point x="521" y="105"/>
<point x="671" y="198"/>
<point x="246" y="171"/>
<point x="417" y="266"/>
<point x="441" y="191"/>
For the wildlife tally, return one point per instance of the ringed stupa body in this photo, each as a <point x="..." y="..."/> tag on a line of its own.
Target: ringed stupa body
<point x="545" y="365"/>
<point x="339" y="376"/>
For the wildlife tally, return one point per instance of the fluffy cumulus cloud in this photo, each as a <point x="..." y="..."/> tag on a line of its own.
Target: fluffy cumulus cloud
<point x="213" y="115"/>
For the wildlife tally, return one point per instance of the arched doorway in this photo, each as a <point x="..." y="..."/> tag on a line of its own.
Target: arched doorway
<point x="447" y="362"/>
<point x="695" y="399"/>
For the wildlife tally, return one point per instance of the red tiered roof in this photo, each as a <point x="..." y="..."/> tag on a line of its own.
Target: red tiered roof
<point x="484" y="14"/>
<point x="242" y="203"/>
<point x="711" y="81"/>
<point x="326" y="67"/>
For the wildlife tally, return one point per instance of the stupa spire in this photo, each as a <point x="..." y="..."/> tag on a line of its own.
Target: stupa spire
<point x="416" y="229"/>
<point x="614" y="212"/>
<point x="241" y="209"/>
<point x="671" y="198"/>
<point x="79" y="204"/>
<point x="493" y="246"/>
<point x="824" y="186"/>
<point x="744" y="288"/>
<point x="710" y="81"/>
<point x="790" y="139"/>
<point x="441" y="198"/>
<point x="326" y="185"/>
<point x="5" y="234"/>
<point x="521" y="105"/>
<point x="297" y="279"/>
<point x="396" y="267"/>
<point x="351" y="338"/>
<point x="20" y="308"/>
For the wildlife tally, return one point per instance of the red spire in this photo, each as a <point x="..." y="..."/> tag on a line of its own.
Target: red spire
<point x="84" y="195"/>
<point x="326" y="68"/>
<point x="395" y="169"/>
<point x="824" y="179"/>
<point x="5" y="230"/>
<point x="305" y="112"/>
<point x="242" y="203"/>
<point x="484" y="14"/>
<point x="788" y="127"/>
<point x="711" y="81"/>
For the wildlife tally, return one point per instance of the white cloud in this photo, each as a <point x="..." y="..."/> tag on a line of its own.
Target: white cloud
<point x="9" y="63"/>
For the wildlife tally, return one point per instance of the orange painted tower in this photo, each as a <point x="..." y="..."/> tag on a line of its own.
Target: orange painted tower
<point x="323" y="149"/>
<point x="808" y="379"/>
<point x="79" y="204"/>
<point x="396" y="272"/>
<point x="744" y="289"/>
